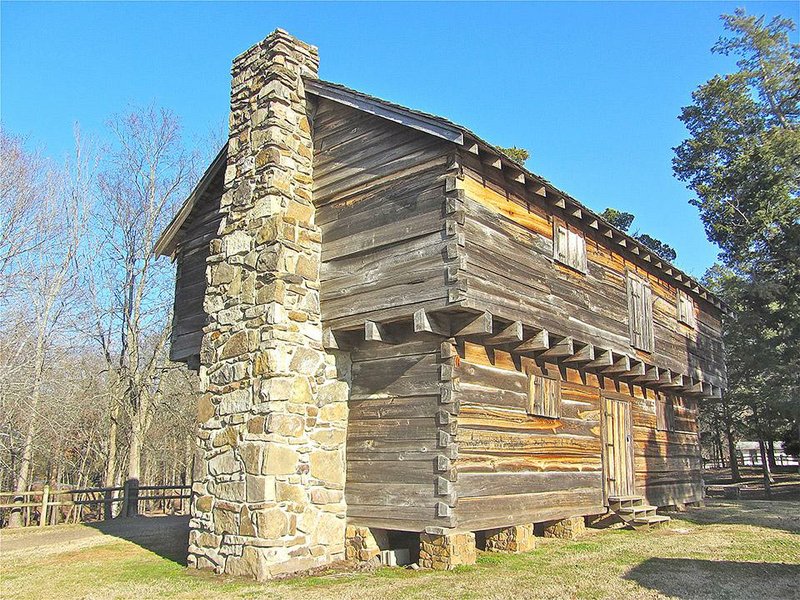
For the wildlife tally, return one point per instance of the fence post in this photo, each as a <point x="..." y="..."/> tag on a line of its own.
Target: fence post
<point x="45" y="498"/>
<point x="108" y="505"/>
<point x="131" y="503"/>
<point x="123" y="509"/>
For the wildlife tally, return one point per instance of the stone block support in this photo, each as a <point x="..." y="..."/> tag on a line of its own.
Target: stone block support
<point x="445" y="552"/>
<point x="518" y="538"/>
<point x="568" y="529"/>
<point x="270" y="470"/>
<point x="363" y="544"/>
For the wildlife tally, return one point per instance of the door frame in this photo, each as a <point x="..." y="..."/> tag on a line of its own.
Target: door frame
<point x="625" y="445"/>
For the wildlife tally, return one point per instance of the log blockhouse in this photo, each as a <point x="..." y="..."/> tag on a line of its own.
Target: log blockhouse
<point x="509" y="357"/>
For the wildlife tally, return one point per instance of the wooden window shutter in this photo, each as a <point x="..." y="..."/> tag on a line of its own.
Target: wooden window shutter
<point x="647" y="319"/>
<point x="685" y="308"/>
<point x="640" y="314"/>
<point x="569" y="247"/>
<point x="665" y="414"/>
<point x="544" y="396"/>
<point x="577" y="251"/>
<point x="561" y="244"/>
<point x="634" y="321"/>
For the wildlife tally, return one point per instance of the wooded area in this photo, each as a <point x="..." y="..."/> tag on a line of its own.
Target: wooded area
<point x="740" y="160"/>
<point x="87" y="394"/>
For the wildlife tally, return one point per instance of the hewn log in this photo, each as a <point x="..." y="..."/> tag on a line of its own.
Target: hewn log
<point x="538" y="342"/>
<point x="480" y="324"/>
<point x="583" y="354"/>
<point x="427" y="322"/>
<point x="508" y="335"/>
<point x="560" y="349"/>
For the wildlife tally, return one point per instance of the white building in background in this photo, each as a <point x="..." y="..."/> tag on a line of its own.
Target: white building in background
<point x="750" y="456"/>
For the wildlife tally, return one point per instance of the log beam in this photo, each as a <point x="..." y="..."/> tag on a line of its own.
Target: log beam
<point x="427" y="322"/>
<point x="602" y="359"/>
<point x="621" y="364"/>
<point x="480" y="324"/>
<point x="636" y="370"/>
<point x="376" y="332"/>
<point x="329" y="341"/>
<point x="650" y="376"/>
<point x="537" y="342"/>
<point x="562" y="348"/>
<point x="583" y="354"/>
<point x="508" y="335"/>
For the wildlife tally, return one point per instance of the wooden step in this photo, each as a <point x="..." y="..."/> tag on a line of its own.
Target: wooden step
<point x="618" y="499"/>
<point x="650" y="521"/>
<point x="616" y="502"/>
<point x="636" y="509"/>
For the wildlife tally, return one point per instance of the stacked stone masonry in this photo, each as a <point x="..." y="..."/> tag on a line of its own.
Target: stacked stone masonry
<point x="515" y="539"/>
<point x="269" y="487"/>
<point x="445" y="552"/>
<point x="568" y="529"/>
<point x="361" y="544"/>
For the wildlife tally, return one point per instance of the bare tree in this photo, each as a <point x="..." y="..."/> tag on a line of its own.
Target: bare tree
<point x="23" y="179"/>
<point x="48" y="273"/>
<point x="146" y="173"/>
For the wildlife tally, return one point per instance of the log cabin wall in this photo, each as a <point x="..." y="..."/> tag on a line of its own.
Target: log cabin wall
<point x="668" y="464"/>
<point x="393" y="436"/>
<point x="509" y="270"/>
<point x="195" y="235"/>
<point x="515" y="468"/>
<point x="379" y="192"/>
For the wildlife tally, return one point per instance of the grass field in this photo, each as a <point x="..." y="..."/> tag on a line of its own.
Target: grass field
<point x="737" y="550"/>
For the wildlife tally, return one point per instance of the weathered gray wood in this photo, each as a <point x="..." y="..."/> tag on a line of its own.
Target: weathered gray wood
<point x="472" y="325"/>
<point x="375" y="332"/>
<point x="538" y="342"/>
<point x="560" y="349"/>
<point x="425" y="321"/>
<point x="622" y="364"/>
<point x="583" y="355"/>
<point x="508" y="335"/>
<point x="603" y="359"/>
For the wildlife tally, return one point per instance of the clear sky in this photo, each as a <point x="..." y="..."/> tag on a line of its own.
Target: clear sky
<point x="592" y="90"/>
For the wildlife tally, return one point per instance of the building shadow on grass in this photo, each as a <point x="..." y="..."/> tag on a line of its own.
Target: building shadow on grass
<point x="693" y="579"/>
<point x="166" y="536"/>
<point x="774" y="514"/>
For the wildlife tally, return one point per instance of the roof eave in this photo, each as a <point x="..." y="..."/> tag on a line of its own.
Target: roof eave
<point x="167" y="242"/>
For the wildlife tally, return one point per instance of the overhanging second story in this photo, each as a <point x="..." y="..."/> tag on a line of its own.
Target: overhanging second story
<point x="427" y="229"/>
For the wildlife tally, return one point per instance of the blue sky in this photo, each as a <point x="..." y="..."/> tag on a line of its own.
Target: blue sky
<point x="592" y="90"/>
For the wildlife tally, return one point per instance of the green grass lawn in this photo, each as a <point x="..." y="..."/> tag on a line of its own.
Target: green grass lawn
<point x="738" y="550"/>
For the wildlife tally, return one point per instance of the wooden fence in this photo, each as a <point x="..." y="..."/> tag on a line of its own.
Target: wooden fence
<point x="50" y="506"/>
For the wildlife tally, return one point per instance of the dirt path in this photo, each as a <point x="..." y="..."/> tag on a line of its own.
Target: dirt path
<point x="166" y="536"/>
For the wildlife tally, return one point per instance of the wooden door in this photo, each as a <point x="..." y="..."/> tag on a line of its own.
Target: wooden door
<point x="617" y="447"/>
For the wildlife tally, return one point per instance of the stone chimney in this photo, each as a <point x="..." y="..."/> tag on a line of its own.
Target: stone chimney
<point x="268" y="495"/>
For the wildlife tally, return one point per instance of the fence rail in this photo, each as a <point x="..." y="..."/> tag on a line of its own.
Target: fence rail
<point x="47" y="506"/>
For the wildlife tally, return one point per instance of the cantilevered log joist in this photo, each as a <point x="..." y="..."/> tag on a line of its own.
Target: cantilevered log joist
<point x="522" y="339"/>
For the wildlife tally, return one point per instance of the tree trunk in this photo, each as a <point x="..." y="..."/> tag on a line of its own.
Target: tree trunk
<point x="732" y="450"/>
<point x="111" y="459"/>
<point x="765" y="468"/>
<point x="720" y="450"/>
<point x="771" y="454"/>
<point x="15" y="518"/>
<point x="134" y="468"/>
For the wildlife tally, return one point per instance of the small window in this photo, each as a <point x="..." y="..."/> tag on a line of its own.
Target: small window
<point x="569" y="247"/>
<point x="640" y="313"/>
<point x="665" y="414"/>
<point x="685" y="308"/>
<point x="544" y="396"/>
